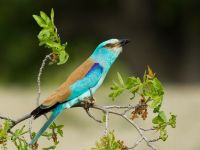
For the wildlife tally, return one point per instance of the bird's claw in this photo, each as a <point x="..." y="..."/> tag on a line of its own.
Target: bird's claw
<point x="91" y="98"/>
<point x="87" y="104"/>
<point x="89" y="101"/>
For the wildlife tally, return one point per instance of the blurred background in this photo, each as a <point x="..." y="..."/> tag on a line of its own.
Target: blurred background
<point x="164" y="35"/>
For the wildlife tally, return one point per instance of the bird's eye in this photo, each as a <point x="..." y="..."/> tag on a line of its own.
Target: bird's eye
<point x="109" y="45"/>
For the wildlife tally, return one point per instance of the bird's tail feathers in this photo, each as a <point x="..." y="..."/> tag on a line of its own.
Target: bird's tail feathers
<point x="40" y="110"/>
<point x="53" y="116"/>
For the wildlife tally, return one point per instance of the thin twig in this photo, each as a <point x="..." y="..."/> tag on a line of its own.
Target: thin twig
<point x="7" y="118"/>
<point x="155" y="140"/>
<point x="118" y="107"/>
<point x="15" y="122"/>
<point x="30" y="127"/>
<point x="39" y="77"/>
<point x="150" y="129"/>
<point x="136" y="143"/>
<point x="140" y="132"/>
<point x="91" y="116"/>
<point x="107" y="123"/>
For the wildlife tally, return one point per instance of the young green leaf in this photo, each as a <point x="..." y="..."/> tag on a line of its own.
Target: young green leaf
<point x="121" y="81"/>
<point x="63" y="57"/>
<point x="160" y="118"/>
<point x="163" y="134"/>
<point x="40" y="21"/>
<point x="52" y="16"/>
<point x="109" y="142"/>
<point x="45" y="17"/>
<point x="151" y="74"/>
<point x="116" y="93"/>
<point x="172" y="121"/>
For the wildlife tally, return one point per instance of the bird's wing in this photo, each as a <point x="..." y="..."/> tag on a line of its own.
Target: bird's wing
<point x="83" y="78"/>
<point x="89" y="81"/>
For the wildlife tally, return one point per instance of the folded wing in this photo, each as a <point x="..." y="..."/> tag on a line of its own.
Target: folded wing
<point x="82" y="79"/>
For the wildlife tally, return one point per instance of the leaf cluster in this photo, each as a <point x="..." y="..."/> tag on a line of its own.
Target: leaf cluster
<point x="52" y="134"/>
<point x="20" y="142"/>
<point x="4" y="136"/>
<point x="161" y="122"/>
<point x="49" y="37"/>
<point x="16" y="137"/>
<point x="109" y="142"/>
<point x="151" y="92"/>
<point x="149" y="88"/>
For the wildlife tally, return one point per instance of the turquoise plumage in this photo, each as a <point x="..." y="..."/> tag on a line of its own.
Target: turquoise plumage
<point x="85" y="79"/>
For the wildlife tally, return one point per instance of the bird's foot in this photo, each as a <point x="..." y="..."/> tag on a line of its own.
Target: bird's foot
<point x="91" y="98"/>
<point x="87" y="104"/>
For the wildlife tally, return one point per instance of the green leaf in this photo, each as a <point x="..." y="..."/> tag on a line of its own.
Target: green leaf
<point x="109" y="142"/>
<point x="45" y="17"/>
<point x="163" y="134"/>
<point x="104" y="117"/>
<point x="156" y="102"/>
<point x="52" y="16"/>
<point x="151" y="74"/>
<point x="60" y="126"/>
<point x="115" y="85"/>
<point x="121" y="81"/>
<point x="50" y="148"/>
<point x="33" y="134"/>
<point x="54" y="45"/>
<point x="40" y="21"/>
<point x="160" y="118"/>
<point x="172" y="121"/>
<point x="158" y="86"/>
<point x="47" y="135"/>
<point x="154" y="90"/>
<point x="52" y="126"/>
<point x="60" y="132"/>
<point x="44" y="36"/>
<point x="133" y="82"/>
<point x="63" y="57"/>
<point x="157" y="108"/>
<point x="145" y="76"/>
<point x="116" y="93"/>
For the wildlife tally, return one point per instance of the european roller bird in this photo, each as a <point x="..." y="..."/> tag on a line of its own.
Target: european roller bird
<point x="83" y="81"/>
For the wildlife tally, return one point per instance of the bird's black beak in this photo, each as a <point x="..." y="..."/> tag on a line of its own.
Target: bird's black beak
<point x="124" y="41"/>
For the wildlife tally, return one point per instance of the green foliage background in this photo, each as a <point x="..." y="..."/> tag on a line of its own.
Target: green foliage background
<point x="162" y="26"/>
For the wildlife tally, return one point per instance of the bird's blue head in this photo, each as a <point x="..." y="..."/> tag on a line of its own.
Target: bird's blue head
<point x="108" y="51"/>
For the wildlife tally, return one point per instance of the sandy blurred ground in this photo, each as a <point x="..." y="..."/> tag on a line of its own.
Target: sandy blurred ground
<point x="81" y="132"/>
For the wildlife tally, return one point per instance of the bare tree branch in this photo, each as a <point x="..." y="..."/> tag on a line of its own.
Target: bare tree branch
<point x="108" y="110"/>
<point x="107" y="125"/>
<point x="136" y="143"/>
<point x="6" y="118"/>
<point x="150" y="129"/>
<point x="91" y="116"/>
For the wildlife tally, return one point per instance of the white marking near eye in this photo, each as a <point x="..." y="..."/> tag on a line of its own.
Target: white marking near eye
<point x="112" y="41"/>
